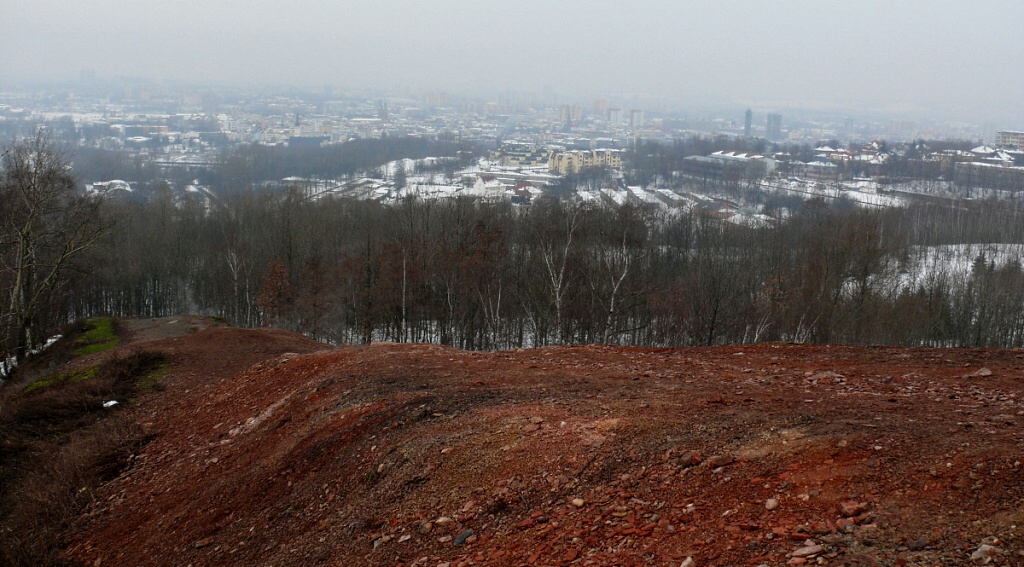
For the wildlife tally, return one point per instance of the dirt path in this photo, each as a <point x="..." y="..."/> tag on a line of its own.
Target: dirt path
<point x="141" y="330"/>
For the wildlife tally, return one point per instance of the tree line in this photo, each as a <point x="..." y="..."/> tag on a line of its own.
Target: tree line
<point x="486" y="275"/>
<point x="495" y="275"/>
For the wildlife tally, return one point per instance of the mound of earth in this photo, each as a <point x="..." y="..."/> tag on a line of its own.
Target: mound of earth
<point x="424" y="455"/>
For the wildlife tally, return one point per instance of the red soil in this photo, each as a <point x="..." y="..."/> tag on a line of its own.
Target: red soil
<point x="591" y="455"/>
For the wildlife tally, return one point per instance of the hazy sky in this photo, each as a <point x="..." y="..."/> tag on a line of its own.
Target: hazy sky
<point x="950" y="58"/>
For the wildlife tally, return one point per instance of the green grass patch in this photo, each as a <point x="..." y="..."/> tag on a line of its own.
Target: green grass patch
<point x="98" y="336"/>
<point x="150" y="380"/>
<point x="61" y="377"/>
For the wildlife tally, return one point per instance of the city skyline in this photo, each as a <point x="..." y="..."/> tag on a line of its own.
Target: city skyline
<point x="920" y="59"/>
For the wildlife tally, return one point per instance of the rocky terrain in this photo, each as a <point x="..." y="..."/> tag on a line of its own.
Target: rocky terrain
<point x="265" y="448"/>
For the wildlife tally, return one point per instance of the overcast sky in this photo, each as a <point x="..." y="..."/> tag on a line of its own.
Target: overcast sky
<point x="949" y="58"/>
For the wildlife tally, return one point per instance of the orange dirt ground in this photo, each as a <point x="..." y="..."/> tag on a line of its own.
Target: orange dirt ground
<point x="270" y="449"/>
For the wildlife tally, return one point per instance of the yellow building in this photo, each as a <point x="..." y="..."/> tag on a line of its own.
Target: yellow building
<point x="565" y="162"/>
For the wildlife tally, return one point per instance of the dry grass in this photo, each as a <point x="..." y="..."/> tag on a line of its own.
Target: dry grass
<point x="57" y="444"/>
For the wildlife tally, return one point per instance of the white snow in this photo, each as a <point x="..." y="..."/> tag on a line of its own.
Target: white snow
<point x="954" y="261"/>
<point x="10" y="362"/>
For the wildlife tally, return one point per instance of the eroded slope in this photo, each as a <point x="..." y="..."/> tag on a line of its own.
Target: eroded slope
<point x="391" y="454"/>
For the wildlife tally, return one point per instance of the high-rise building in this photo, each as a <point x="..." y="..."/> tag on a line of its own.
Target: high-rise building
<point x="1010" y="139"/>
<point x="636" y="118"/>
<point x="746" y="123"/>
<point x="773" y="129"/>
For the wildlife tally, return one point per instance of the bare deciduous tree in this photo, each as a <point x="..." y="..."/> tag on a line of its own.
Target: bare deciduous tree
<point x="45" y="227"/>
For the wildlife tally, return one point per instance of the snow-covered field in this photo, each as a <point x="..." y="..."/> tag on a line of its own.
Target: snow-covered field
<point x="953" y="261"/>
<point x="864" y="193"/>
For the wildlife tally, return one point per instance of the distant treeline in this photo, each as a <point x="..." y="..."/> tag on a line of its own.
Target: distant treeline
<point x="657" y="162"/>
<point x="251" y="165"/>
<point x="485" y="276"/>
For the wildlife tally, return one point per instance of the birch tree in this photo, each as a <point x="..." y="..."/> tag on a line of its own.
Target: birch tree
<point x="46" y="226"/>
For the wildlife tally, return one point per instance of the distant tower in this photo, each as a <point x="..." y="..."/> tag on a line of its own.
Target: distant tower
<point x="382" y="110"/>
<point x="773" y="129"/>
<point x="565" y="114"/>
<point x="636" y="118"/>
<point x="746" y="123"/>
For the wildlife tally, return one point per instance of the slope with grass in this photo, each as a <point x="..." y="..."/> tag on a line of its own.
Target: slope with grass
<point x="69" y="423"/>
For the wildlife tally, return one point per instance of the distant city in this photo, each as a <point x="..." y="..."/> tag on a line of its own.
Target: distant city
<point x="267" y="116"/>
<point x="526" y="141"/>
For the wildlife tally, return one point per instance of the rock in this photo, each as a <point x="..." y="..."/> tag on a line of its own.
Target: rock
<point x="578" y="502"/>
<point x="720" y="461"/>
<point x="808" y="551"/>
<point x="846" y="524"/>
<point x="526" y="524"/>
<point x="381" y="541"/>
<point x="425" y="528"/>
<point x="797" y="561"/>
<point x="851" y="508"/>
<point x="461" y="538"/>
<point x="443" y="521"/>
<point x="985" y="554"/>
<point x="981" y="373"/>
<point x="536" y="420"/>
<point x="204" y="542"/>
<point x="688" y="562"/>
<point x="404" y="538"/>
<point x="771" y="504"/>
<point x="530" y="428"/>
<point x="689" y="459"/>
<point x="827" y="375"/>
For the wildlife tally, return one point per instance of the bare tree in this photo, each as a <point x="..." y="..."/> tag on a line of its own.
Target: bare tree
<point x="45" y="227"/>
<point x="555" y="247"/>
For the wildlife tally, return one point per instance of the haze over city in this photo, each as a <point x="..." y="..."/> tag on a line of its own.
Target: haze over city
<point x="936" y="60"/>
